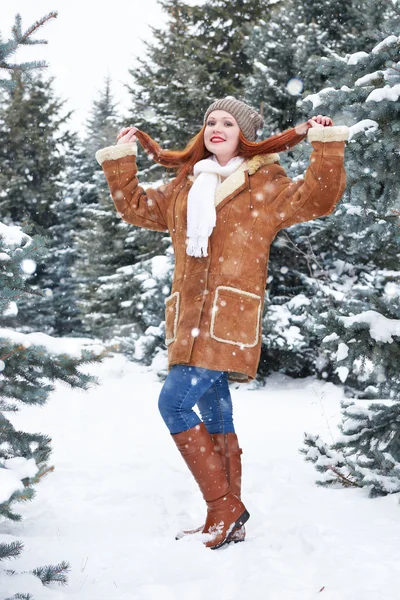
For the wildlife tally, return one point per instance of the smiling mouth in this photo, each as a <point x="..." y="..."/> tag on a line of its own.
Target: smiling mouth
<point x="217" y="139"/>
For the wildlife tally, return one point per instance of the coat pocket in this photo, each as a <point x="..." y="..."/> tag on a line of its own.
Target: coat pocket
<point x="236" y="317"/>
<point x="171" y="317"/>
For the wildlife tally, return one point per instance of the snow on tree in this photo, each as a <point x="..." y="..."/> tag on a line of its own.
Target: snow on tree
<point x="365" y="455"/>
<point x="285" y="50"/>
<point x="355" y="295"/>
<point x="357" y="306"/>
<point x="347" y="262"/>
<point x="138" y="326"/>
<point x="30" y="364"/>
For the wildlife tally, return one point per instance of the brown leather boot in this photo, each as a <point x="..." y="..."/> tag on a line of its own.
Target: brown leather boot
<point x="225" y="511"/>
<point x="227" y="446"/>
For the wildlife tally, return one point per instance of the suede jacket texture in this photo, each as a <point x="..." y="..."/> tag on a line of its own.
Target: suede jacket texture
<point x="214" y="311"/>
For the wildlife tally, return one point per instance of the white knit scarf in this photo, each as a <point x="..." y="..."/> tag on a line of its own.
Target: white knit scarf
<point x="201" y="213"/>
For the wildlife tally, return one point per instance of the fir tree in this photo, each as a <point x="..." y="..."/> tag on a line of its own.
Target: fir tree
<point x="85" y="189"/>
<point x="66" y="318"/>
<point x="30" y="153"/>
<point x="27" y="370"/>
<point x="285" y="50"/>
<point x="367" y="454"/>
<point x="356" y="299"/>
<point x="103" y="241"/>
<point x="28" y="373"/>
<point x="298" y="275"/>
<point x="357" y="309"/>
<point x="18" y="39"/>
<point x="138" y="292"/>
<point x="32" y="149"/>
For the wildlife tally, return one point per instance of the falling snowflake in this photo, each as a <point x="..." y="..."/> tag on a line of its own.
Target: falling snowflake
<point x="149" y="113"/>
<point x="28" y="266"/>
<point x="294" y="86"/>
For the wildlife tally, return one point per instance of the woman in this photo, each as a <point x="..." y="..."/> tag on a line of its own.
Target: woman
<point x="223" y="209"/>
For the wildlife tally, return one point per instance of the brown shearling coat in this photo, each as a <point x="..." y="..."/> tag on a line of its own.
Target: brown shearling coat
<point x="213" y="314"/>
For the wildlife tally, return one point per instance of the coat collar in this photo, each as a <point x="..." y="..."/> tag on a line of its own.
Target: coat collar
<point x="238" y="178"/>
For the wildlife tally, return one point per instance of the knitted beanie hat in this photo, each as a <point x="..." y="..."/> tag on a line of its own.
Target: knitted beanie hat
<point x="247" y="118"/>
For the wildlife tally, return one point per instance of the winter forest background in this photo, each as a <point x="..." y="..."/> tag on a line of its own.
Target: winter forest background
<point x="77" y="283"/>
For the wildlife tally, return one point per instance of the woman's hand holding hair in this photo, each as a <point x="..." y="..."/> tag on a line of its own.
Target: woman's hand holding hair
<point x="318" y="121"/>
<point x="127" y="135"/>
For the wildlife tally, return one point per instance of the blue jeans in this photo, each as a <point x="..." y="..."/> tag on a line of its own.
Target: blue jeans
<point x="186" y="386"/>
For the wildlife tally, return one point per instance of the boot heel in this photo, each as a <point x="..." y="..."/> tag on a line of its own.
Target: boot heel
<point x="243" y="519"/>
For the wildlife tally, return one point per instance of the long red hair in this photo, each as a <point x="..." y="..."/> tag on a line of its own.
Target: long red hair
<point x="184" y="160"/>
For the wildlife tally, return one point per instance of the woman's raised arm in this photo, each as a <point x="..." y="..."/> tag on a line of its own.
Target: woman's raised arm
<point x="322" y="187"/>
<point x="143" y="208"/>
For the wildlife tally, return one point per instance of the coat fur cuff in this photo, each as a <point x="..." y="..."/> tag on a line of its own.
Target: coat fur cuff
<point x="328" y="134"/>
<point x="115" y="152"/>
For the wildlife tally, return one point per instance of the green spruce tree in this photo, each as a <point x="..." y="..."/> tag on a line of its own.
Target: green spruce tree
<point x="367" y="454"/>
<point x="139" y="292"/>
<point x="298" y="254"/>
<point x="356" y="299"/>
<point x="18" y="39"/>
<point x="28" y="370"/>
<point x="85" y="190"/>
<point x="33" y="141"/>
<point x="357" y="308"/>
<point x="103" y="241"/>
<point x="285" y="50"/>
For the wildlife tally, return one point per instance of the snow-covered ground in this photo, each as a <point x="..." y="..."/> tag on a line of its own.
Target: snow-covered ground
<point x="120" y="491"/>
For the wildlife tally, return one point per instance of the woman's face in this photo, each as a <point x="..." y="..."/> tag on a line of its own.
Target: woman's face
<point x="221" y="135"/>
